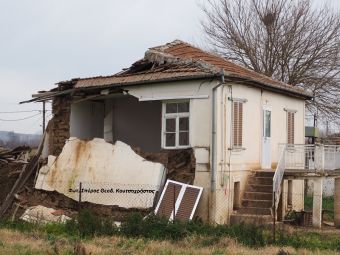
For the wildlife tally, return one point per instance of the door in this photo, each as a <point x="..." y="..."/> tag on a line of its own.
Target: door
<point x="266" y="134"/>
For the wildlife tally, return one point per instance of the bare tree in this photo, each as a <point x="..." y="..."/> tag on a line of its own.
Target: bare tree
<point x="288" y="40"/>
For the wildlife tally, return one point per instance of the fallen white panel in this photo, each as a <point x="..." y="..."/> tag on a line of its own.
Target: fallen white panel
<point x="41" y="214"/>
<point x="178" y="201"/>
<point x="110" y="174"/>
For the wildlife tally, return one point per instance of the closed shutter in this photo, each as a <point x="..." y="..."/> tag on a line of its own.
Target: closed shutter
<point x="237" y="124"/>
<point x="169" y="198"/>
<point x="290" y="127"/>
<point x="187" y="204"/>
<point x="179" y="200"/>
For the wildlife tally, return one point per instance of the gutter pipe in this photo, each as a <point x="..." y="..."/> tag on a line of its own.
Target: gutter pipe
<point x="213" y="141"/>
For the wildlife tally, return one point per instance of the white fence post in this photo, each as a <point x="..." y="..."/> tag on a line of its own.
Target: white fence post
<point x="322" y="158"/>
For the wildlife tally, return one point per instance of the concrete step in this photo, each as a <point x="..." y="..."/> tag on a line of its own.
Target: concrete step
<point x="258" y="195"/>
<point x="261" y="180"/>
<point x="259" y="188"/>
<point x="257" y="220"/>
<point x="264" y="173"/>
<point x="254" y="211"/>
<point x="246" y="203"/>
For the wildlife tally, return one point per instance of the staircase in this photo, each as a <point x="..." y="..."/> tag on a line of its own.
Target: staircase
<point x="257" y="200"/>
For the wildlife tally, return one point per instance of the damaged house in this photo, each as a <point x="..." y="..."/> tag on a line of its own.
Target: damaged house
<point x="178" y="113"/>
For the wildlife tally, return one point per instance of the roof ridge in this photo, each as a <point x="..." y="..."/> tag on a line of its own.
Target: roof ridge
<point x="160" y="57"/>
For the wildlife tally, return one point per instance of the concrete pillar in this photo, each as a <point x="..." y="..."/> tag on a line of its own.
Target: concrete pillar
<point x="337" y="202"/>
<point x="317" y="203"/>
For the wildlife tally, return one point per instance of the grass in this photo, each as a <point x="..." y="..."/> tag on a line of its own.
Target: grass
<point x="16" y="242"/>
<point x="327" y="204"/>
<point x="154" y="235"/>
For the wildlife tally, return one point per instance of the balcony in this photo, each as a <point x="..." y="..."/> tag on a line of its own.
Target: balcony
<point x="316" y="159"/>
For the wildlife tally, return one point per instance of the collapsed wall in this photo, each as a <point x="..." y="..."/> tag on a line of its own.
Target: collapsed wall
<point x="110" y="174"/>
<point x="59" y="125"/>
<point x="180" y="163"/>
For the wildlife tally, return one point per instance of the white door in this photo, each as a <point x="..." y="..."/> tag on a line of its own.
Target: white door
<point x="266" y="134"/>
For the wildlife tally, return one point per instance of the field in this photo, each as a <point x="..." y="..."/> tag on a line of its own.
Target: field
<point x="15" y="242"/>
<point x="89" y="234"/>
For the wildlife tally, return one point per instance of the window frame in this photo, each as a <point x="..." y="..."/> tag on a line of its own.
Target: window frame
<point x="175" y="116"/>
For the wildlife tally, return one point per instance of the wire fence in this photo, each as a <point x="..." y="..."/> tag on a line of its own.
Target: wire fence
<point x="251" y="204"/>
<point x="128" y="196"/>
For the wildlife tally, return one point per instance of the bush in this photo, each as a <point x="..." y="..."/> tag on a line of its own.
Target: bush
<point x="154" y="227"/>
<point x="87" y="224"/>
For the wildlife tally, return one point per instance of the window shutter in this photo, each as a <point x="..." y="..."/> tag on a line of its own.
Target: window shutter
<point x="290" y="127"/>
<point x="178" y="200"/>
<point x="170" y="196"/>
<point x="237" y="124"/>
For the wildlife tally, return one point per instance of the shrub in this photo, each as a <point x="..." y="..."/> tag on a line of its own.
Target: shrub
<point x="88" y="224"/>
<point x="154" y="227"/>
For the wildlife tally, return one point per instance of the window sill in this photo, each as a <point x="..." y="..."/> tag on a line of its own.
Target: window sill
<point x="237" y="149"/>
<point x="176" y="148"/>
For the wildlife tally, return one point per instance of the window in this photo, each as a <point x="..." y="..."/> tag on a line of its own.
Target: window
<point x="176" y="124"/>
<point x="267" y="123"/>
<point x="237" y="124"/>
<point x="290" y="127"/>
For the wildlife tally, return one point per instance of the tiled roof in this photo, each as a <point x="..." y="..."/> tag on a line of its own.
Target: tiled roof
<point x="180" y="60"/>
<point x="184" y="50"/>
<point x="155" y="73"/>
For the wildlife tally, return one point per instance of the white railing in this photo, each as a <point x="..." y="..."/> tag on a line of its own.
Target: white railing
<point x="302" y="157"/>
<point x="312" y="158"/>
<point x="278" y="177"/>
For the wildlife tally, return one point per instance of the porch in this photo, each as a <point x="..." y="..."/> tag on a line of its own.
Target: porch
<point x="312" y="162"/>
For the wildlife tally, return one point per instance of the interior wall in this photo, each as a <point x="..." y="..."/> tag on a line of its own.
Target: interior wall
<point x="138" y="123"/>
<point x="87" y="120"/>
<point x="108" y="121"/>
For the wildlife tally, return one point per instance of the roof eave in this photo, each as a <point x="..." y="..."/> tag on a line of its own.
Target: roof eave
<point x="49" y="96"/>
<point x="266" y="86"/>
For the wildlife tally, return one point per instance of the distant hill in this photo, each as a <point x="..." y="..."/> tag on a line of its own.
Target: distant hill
<point x="11" y="139"/>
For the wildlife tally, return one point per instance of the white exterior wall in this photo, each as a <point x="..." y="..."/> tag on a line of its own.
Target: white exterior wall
<point x="241" y="161"/>
<point x="235" y="166"/>
<point x="231" y="166"/>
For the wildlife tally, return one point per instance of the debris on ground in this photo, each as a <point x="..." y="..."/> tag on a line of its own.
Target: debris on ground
<point x="9" y="173"/>
<point x="42" y="214"/>
<point x="18" y="154"/>
<point x="20" y="184"/>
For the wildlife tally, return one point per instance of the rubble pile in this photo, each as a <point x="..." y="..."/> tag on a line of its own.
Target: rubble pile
<point x="9" y="172"/>
<point x="180" y="164"/>
<point x="18" y="154"/>
<point x="14" y="166"/>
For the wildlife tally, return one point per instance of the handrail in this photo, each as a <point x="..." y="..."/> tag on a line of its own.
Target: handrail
<point x="278" y="177"/>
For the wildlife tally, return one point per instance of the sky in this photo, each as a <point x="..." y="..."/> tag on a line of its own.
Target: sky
<point x="46" y="41"/>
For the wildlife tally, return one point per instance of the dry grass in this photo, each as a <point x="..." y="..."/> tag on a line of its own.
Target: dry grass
<point x="13" y="242"/>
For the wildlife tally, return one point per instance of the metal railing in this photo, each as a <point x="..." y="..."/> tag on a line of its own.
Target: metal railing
<point x="312" y="158"/>
<point x="278" y="177"/>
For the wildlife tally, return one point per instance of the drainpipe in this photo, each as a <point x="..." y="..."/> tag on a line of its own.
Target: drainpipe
<point x="213" y="141"/>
